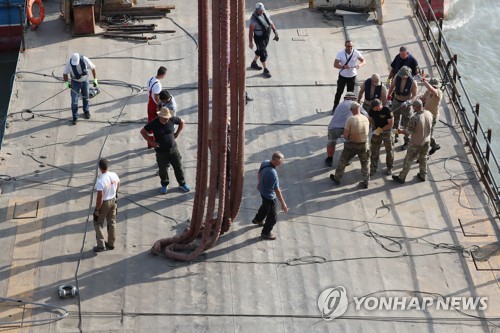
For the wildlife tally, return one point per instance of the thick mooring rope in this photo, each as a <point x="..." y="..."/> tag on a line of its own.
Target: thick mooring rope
<point x="228" y="29"/>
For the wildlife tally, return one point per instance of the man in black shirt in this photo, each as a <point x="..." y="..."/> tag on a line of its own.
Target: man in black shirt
<point x="382" y="120"/>
<point x="404" y="58"/>
<point x="163" y="140"/>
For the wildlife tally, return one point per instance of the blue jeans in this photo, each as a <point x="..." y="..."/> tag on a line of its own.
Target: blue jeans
<point x="76" y="89"/>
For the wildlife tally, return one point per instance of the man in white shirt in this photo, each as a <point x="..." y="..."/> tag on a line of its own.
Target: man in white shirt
<point x="107" y="186"/>
<point x="77" y="67"/>
<point x="348" y="61"/>
<point x="154" y="88"/>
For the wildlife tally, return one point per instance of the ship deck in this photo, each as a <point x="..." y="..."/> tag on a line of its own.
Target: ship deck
<point x="388" y="240"/>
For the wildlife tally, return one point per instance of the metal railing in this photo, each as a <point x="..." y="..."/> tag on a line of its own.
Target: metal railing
<point x="467" y="113"/>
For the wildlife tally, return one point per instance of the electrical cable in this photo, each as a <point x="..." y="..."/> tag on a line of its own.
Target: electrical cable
<point x="7" y="178"/>
<point x="118" y="19"/>
<point x="149" y="209"/>
<point x="63" y="313"/>
<point x="405" y="319"/>
<point x="87" y="224"/>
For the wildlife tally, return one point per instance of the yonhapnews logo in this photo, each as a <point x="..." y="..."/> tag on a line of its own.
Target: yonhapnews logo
<point x="333" y="302"/>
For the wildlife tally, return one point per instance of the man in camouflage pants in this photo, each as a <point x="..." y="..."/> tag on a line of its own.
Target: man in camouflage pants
<point x="405" y="92"/>
<point x="382" y="120"/>
<point x="419" y="129"/>
<point x="356" y="135"/>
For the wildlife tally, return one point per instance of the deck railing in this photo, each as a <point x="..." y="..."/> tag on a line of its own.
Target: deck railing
<point x="467" y="112"/>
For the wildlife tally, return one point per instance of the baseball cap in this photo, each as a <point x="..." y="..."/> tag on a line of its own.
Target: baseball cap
<point x="260" y="6"/>
<point x="75" y="59"/>
<point x="350" y="94"/>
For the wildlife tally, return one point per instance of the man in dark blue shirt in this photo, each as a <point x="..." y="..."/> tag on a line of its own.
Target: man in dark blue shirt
<point x="269" y="188"/>
<point x="404" y="58"/>
<point x="163" y="141"/>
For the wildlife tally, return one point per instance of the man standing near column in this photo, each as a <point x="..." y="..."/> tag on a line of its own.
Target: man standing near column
<point x="260" y="31"/>
<point x="269" y="188"/>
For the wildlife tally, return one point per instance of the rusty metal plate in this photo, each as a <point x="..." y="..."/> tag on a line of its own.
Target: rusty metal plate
<point x="26" y="210"/>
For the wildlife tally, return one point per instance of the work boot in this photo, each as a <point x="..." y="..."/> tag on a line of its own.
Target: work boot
<point x="333" y="179"/>
<point x="99" y="249"/>
<point x="364" y="184"/>
<point x="254" y="65"/>
<point x="422" y="178"/>
<point x="267" y="74"/>
<point x="329" y="161"/>
<point x="269" y="236"/>
<point x="434" y="149"/>
<point x="259" y="223"/>
<point x="398" y="180"/>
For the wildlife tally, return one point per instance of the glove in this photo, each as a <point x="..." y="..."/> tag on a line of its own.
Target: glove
<point x="276" y="37"/>
<point x="377" y="131"/>
<point x="95" y="83"/>
<point x="68" y="85"/>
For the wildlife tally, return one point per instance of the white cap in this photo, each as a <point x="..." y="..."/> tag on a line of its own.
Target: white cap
<point x="260" y="6"/>
<point x="75" y="59"/>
